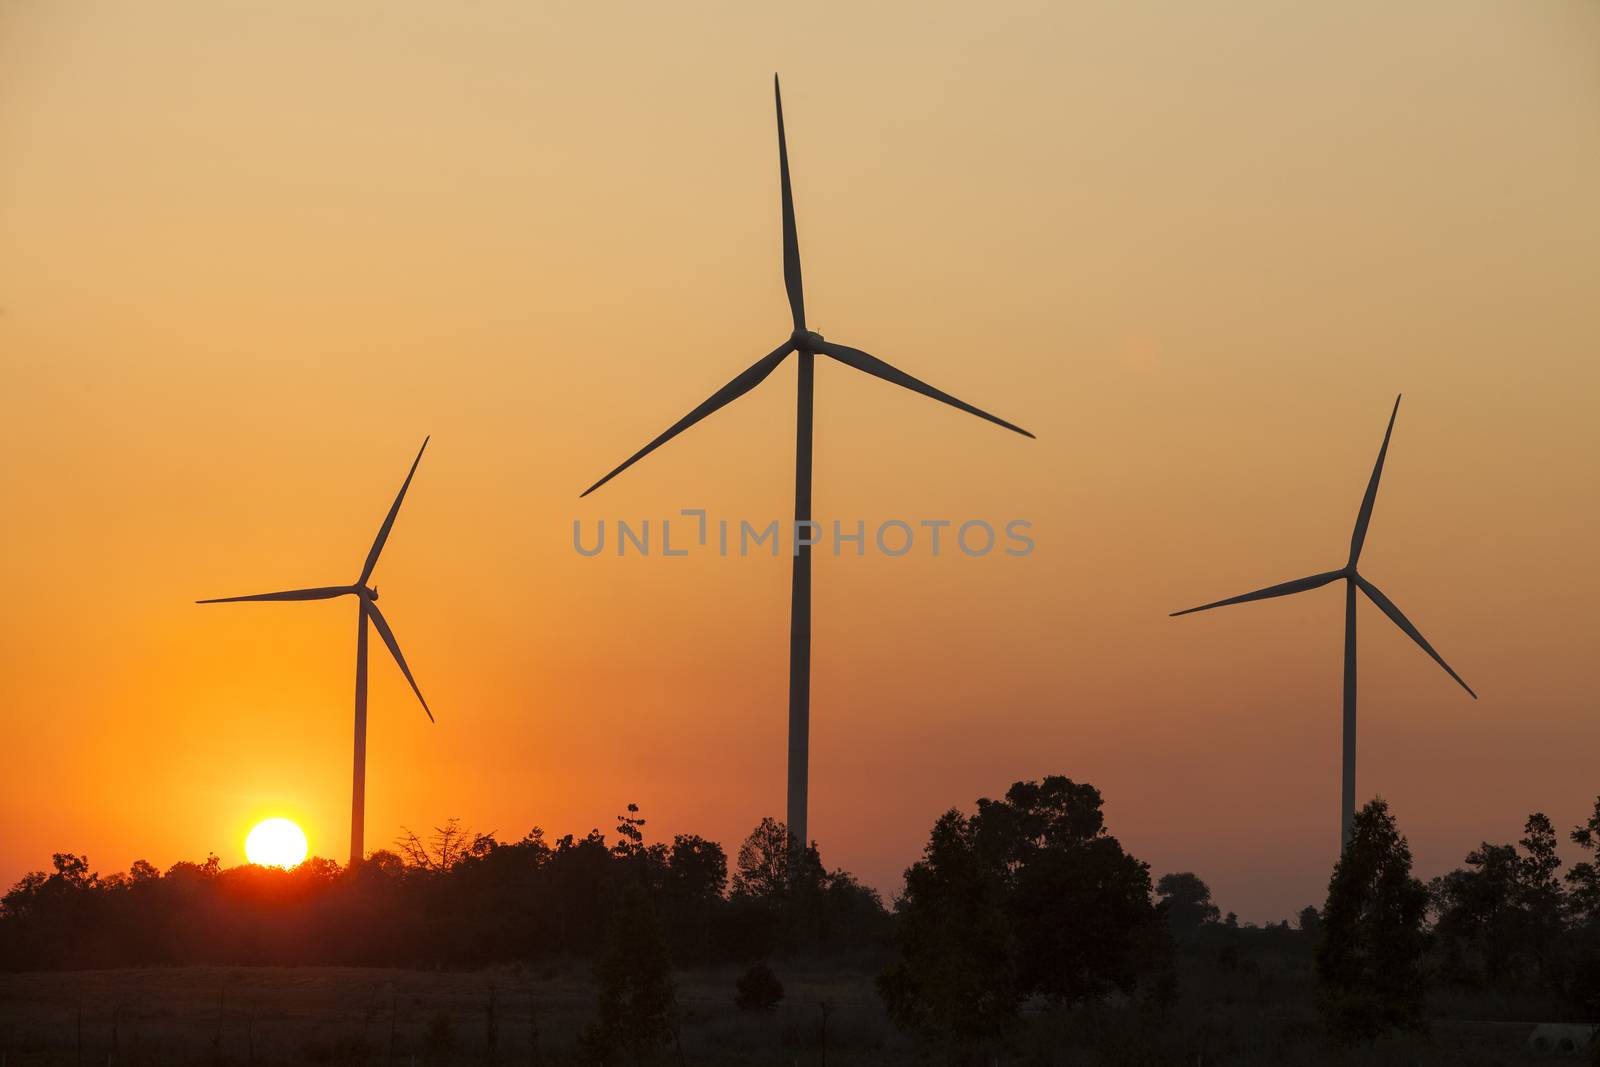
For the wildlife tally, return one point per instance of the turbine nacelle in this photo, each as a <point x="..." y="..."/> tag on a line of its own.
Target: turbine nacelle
<point x="367" y="592"/>
<point x="806" y="341"/>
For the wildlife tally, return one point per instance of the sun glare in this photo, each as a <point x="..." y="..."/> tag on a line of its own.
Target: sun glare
<point x="275" y="843"/>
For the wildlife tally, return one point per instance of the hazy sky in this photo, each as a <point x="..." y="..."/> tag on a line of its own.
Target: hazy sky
<point x="251" y="253"/>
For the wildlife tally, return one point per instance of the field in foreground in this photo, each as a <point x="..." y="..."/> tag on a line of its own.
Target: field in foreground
<point x="314" y="1015"/>
<point x="240" y="1016"/>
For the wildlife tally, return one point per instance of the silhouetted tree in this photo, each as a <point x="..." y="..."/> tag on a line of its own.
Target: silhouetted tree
<point x="1310" y="921"/>
<point x="1584" y="878"/>
<point x="447" y="846"/>
<point x="1080" y="907"/>
<point x="1501" y="919"/>
<point x="844" y="913"/>
<point x="1187" y="900"/>
<point x="49" y="917"/>
<point x="636" y="995"/>
<point x="696" y="877"/>
<point x="763" y="870"/>
<point x="1583" y="909"/>
<point x="955" y="981"/>
<point x="578" y="883"/>
<point x="630" y="834"/>
<point x="800" y="904"/>
<point x="1370" y="960"/>
<point x="646" y="864"/>
<point x="1479" y="922"/>
<point x="699" y="868"/>
<point x="1540" y="895"/>
<point x="1030" y="897"/>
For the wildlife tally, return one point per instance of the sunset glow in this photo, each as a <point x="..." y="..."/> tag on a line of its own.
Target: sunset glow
<point x="275" y="843"/>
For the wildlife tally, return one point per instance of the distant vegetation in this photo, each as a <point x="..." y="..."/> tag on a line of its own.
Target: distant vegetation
<point x="1024" y="928"/>
<point x="452" y="899"/>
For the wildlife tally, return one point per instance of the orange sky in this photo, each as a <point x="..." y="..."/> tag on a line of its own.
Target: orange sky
<point x="252" y="254"/>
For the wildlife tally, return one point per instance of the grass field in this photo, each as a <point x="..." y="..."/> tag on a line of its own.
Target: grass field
<point x="220" y="1015"/>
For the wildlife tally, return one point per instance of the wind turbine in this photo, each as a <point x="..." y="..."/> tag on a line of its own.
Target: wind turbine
<point x="367" y="610"/>
<point x="806" y="345"/>
<point x="1353" y="581"/>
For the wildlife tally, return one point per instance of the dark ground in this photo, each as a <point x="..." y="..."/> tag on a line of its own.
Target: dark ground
<point x="1258" y="1010"/>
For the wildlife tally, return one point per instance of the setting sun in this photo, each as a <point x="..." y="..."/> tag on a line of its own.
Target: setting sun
<point x="275" y="843"/>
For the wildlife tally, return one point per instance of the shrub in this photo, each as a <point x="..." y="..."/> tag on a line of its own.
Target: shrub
<point x="758" y="989"/>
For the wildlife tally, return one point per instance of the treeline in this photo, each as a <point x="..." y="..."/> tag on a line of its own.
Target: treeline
<point x="1510" y="920"/>
<point x="1031" y="900"/>
<point x="452" y="899"/>
<point x="1027" y="900"/>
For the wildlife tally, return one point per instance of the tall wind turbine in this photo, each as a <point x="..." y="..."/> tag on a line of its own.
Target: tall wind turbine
<point x="806" y="345"/>
<point x="367" y="610"/>
<point x="1353" y="580"/>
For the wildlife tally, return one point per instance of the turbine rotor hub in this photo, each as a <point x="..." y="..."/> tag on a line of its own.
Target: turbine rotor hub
<point x="806" y="340"/>
<point x="370" y="592"/>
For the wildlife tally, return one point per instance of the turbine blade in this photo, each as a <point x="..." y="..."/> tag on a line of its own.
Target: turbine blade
<point x="751" y="377"/>
<point x="1299" y="585"/>
<point x="854" y="357"/>
<point x="327" y="592"/>
<point x="387" y="634"/>
<point x="388" y="520"/>
<point x="1388" y="607"/>
<point x="791" y="239"/>
<point x="1359" y="537"/>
